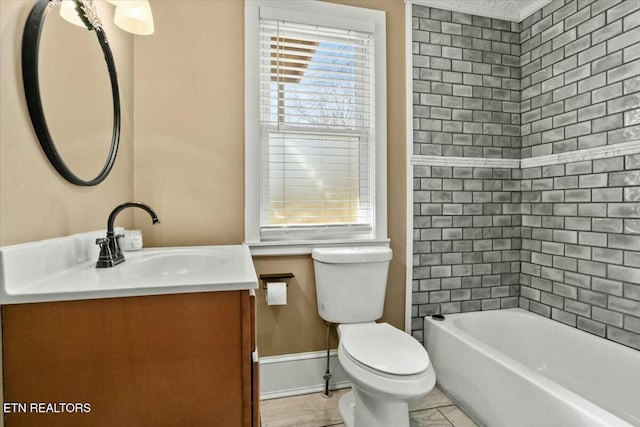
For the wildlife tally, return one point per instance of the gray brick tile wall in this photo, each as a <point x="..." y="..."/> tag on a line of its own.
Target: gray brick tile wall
<point x="561" y="240"/>
<point x="587" y="53"/>
<point x="467" y="240"/>
<point x="595" y="280"/>
<point x="469" y="91"/>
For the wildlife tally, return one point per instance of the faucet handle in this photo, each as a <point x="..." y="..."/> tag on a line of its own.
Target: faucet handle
<point x="101" y="241"/>
<point x="105" y="258"/>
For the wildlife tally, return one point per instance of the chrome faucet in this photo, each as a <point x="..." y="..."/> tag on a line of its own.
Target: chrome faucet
<point x="110" y="250"/>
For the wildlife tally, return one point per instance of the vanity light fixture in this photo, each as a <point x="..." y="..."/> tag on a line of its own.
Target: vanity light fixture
<point x="133" y="16"/>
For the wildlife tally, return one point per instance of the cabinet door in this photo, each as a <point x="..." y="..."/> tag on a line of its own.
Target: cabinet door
<point x="168" y="360"/>
<point x="254" y="386"/>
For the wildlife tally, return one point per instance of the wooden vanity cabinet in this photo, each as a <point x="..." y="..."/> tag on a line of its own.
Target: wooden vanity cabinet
<point x="162" y="360"/>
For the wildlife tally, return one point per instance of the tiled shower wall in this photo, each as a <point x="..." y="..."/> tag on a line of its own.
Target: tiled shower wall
<point x="581" y="219"/>
<point x="580" y="243"/>
<point x="466" y="73"/>
<point x="466" y="240"/>
<point x="580" y="67"/>
<point x="573" y="227"/>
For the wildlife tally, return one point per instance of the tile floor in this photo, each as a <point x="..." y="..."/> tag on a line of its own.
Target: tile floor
<point x="313" y="410"/>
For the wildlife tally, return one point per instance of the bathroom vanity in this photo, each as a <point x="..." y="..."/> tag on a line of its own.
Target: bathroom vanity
<point x="122" y="347"/>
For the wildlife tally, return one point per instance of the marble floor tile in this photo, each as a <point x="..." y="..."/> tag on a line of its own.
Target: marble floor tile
<point x="313" y="410"/>
<point x="456" y="416"/>
<point x="434" y="399"/>
<point x="307" y="410"/>
<point x="428" y="418"/>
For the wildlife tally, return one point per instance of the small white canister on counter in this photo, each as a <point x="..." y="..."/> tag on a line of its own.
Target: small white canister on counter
<point x="132" y="240"/>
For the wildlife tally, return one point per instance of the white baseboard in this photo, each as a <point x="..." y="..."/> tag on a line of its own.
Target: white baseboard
<point x="299" y="373"/>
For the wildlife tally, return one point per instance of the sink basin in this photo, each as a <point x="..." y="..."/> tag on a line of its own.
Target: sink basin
<point x="64" y="269"/>
<point x="172" y="262"/>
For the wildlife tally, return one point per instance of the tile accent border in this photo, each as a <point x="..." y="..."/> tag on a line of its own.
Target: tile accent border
<point x="469" y="162"/>
<point x="614" y="150"/>
<point x="596" y="153"/>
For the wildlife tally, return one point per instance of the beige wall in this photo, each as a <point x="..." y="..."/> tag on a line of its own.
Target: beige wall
<point x="188" y="159"/>
<point x="35" y="202"/>
<point x="189" y="153"/>
<point x="189" y="119"/>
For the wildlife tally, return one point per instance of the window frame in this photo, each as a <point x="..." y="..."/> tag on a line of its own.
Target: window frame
<point x="329" y="15"/>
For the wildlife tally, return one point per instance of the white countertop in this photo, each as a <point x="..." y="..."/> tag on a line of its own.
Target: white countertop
<point x="64" y="269"/>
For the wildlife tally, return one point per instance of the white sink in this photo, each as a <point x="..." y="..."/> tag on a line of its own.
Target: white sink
<point x="173" y="262"/>
<point x="64" y="269"/>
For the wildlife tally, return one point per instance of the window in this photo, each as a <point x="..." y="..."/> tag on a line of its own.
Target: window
<point x="315" y="123"/>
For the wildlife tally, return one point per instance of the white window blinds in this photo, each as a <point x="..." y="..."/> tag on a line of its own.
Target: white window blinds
<point x="317" y="135"/>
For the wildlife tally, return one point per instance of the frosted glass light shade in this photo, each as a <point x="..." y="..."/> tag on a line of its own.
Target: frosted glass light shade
<point x="133" y="16"/>
<point x="69" y="13"/>
<point x="126" y="3"/>
<point x="134" y="19"/>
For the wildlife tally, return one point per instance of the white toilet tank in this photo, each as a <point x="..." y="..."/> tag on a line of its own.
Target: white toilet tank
<point x="351" y="282"/>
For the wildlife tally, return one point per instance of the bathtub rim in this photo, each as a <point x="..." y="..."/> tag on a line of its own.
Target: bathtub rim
<point x="526" y="313"/>
<point x="564" y="394"/>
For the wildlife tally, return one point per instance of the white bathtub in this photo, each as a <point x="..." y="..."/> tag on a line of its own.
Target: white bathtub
<point x="513" y="368"/>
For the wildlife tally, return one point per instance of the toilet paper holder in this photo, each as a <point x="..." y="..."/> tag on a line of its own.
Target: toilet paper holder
<point x="275" y="277"/>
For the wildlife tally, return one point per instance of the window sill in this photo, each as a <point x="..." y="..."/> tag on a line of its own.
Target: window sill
<point x="305" y="247"/>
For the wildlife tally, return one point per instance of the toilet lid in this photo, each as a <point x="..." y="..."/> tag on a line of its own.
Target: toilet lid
<point x="384" y="348"/>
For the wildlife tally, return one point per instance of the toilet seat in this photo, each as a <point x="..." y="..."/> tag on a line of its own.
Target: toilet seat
<point x="383" y="348"/>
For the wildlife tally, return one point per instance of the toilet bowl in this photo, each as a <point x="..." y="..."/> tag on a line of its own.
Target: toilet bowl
<point x="388" y="369"/>
<point x="386" y="366"/>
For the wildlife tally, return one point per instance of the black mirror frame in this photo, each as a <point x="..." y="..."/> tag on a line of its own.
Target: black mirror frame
<point x="30" y="45"/>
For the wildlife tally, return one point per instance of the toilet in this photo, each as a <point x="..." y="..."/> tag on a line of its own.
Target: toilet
<point x="387" y="367"/>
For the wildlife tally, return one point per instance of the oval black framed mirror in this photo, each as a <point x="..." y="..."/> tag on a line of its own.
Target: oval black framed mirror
<point x="30" y="73"/>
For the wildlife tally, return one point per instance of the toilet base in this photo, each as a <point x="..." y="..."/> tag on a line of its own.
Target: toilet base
<point x="346" y="408"/>
<point x="360" y="410"/>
